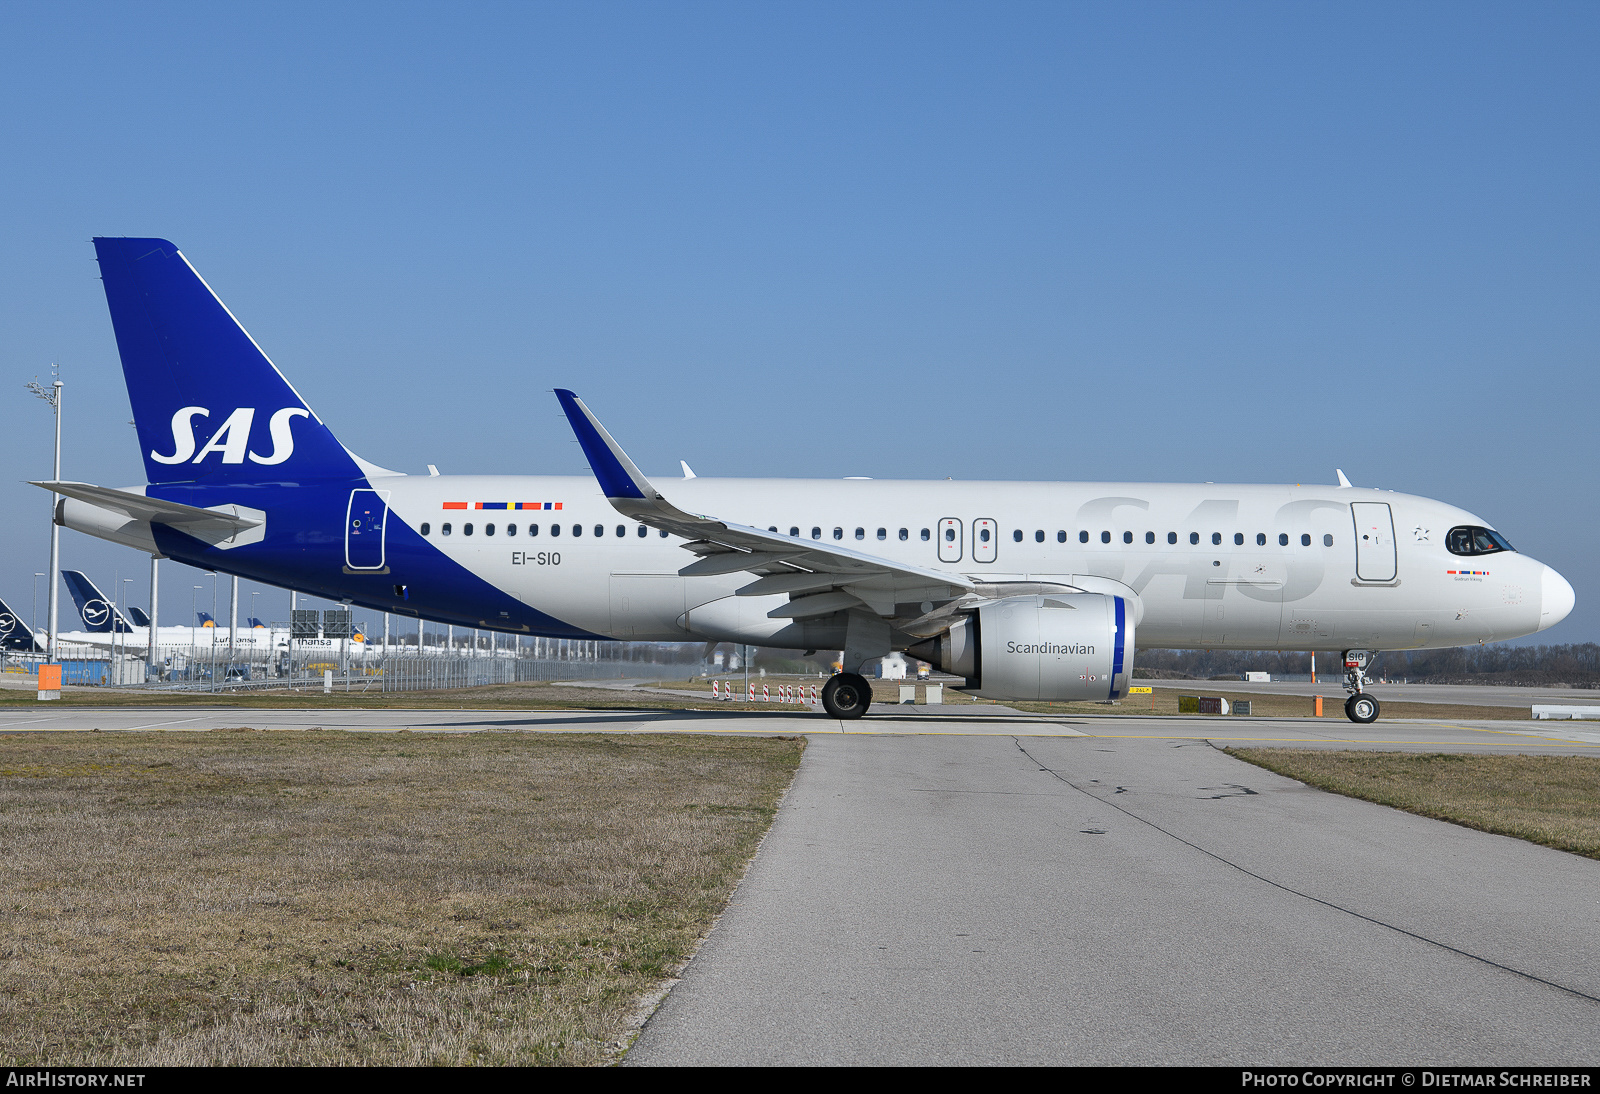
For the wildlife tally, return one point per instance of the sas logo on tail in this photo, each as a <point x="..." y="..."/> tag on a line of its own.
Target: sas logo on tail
<point x="233" y="439"/>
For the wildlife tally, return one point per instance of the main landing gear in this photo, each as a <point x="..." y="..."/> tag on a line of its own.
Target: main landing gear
<point x="846" y="695"/>
<point x="1360" y="707"/>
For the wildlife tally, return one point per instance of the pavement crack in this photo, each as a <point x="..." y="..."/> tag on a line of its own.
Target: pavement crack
<point x="1303" y="895"/>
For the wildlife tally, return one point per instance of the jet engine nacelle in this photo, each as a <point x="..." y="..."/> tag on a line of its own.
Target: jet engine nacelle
<point x="1060" y="647"/>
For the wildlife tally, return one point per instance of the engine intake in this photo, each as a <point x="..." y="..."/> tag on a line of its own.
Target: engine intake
<point x="1061" y="647"/>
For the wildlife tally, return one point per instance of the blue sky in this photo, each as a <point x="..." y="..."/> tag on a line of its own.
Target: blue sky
<point x="1114" y="241"/>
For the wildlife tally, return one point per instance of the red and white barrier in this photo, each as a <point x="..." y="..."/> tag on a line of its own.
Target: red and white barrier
<point x="714" y="694"/>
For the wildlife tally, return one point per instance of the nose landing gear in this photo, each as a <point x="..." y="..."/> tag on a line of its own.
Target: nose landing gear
<point x="1360" y="707"/>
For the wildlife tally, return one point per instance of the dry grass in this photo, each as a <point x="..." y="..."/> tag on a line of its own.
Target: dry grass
<point x="529" y="696"/>
<point x="1550" y="800"/>
<point x="238" y="897"/>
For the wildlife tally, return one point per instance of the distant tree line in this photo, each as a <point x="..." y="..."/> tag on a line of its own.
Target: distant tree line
<point x="1574" y="665"/>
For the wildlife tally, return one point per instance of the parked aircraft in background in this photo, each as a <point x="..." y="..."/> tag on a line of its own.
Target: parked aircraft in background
<point x="15" y="635"/>
<point x="1029" y="590"/>
<point x="99" y="613"/>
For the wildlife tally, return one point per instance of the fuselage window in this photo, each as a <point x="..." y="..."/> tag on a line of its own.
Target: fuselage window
<point x="925" y="535"/>
<point x="1305" y="541"/>
<point x="905" y="534"/>
<point x="1061" y="536"/>
<point x="1261" y="539"/>
<point x="533" y="529"/>
<point x="794" y="530"/>
<point x="949" y="535"/>
<point x="1038" y="536"/>
<point x="1149" y="537"/>
<point x="772" y="528"/>
<point x="1127" y="537"/>
<point x="883" y="533"/>
<point x="663" y="533"/>
<point x="1105" y="537"/>
<point x="1172" y="537"/>
<point x="466" y="529"/>
<point x="643" y="531"/>
<point x="1216" y="539"/>
<point x="1283" y="539"/>
<point x="555" y="529"/>
<point x="1194" y="537"/>
<point x="1083" y="536"/>
<point x="425" y="527"/>
<point x="599" y="531"/>
<point x="511" y="529"/>
<point x="577" y="529"/>
<point x="1238" y="539"/>
<point x="838" y="533"/>
<point x="1327" y="541"/>
<point x="861" y="533"/>
<point x="816" y="533"/>
<point x="488" y="529"/>
<point x="984" y="535"/>
<point x="1016" y="536"/>
<point x="445" y="528"/>
<point x="622" y="531"/>
<point x="1467" y="540"/>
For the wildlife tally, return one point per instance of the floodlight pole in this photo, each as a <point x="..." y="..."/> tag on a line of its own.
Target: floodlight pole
<point x="155" y="606"/>
<point x="55" y="529"/>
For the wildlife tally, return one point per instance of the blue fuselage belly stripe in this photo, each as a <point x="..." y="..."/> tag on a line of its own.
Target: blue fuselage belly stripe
<point x="1119" y="646"/>
<point x="305" y="551"/>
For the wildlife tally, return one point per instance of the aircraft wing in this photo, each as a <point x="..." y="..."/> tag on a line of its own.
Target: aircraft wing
<point x="820" y="578"/>
<point x="177" y="515"/>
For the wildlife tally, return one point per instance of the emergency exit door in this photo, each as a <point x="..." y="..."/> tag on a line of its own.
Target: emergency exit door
<point x="364" y="524"/>
<point x="950" y="540"/>
<point x="1375" y="557"/>
<point x="985" y="540"/>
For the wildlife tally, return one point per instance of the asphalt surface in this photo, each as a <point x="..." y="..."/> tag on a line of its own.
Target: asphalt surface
<point x="1329" y="732"/>
<point x="972" y="888"/>
<point x="1028" y="900"/>
<point x="1333" y="686"/>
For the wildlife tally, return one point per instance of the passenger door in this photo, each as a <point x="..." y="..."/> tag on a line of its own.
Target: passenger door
<point x="1375" y="554"/>
<point x="364" y="523"/>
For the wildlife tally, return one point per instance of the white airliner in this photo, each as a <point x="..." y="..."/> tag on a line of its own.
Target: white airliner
<point x="1029" y="590"/>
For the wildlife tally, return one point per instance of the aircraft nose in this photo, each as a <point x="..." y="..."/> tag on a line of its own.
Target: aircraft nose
<point x="1556" y="598"/>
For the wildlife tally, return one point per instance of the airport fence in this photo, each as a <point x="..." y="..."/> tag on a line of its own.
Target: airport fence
<point x="207" y="667"/>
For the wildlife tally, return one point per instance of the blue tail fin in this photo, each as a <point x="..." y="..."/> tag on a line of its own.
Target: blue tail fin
<point x="99" y="614"/>
<point x="141" y="618"/>
<point x="256" y="624"/>
<point x="14" y="633"/>
<point x="208" y="404"/>
<point x="205" y="619"/>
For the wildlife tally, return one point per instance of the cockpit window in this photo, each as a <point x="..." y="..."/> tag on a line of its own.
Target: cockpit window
<point x="1468" y="540"/>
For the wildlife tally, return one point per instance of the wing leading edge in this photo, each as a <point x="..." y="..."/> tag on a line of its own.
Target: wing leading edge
<point x="820" y="579"/>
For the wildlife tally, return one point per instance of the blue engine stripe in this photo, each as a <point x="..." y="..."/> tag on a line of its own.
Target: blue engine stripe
<point x="1119" y="646"/>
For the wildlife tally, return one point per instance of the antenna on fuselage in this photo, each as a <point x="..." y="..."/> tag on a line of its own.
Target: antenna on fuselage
<point x="1344" y="483"/>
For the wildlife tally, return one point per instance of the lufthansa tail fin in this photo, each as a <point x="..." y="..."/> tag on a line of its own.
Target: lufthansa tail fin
<point x="14" y="633"/>
<point x="256" y="624"/>
<point x="141" y="618"/>
<point x="99" y="615"/>
<point x="205" y="619"/>
<point x="207" y="402"/>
